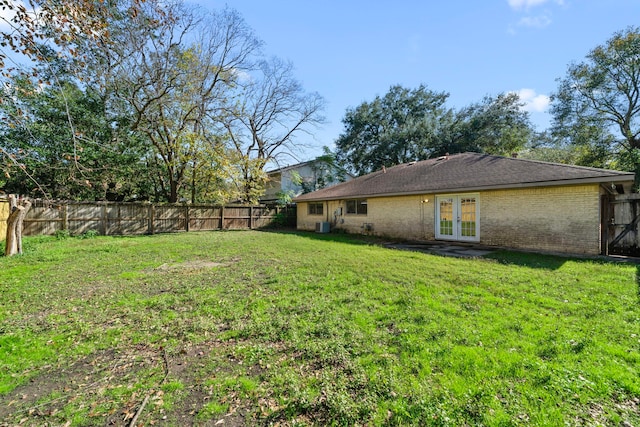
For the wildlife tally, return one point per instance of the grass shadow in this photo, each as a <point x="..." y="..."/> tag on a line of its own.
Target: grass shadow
<point x="529" y="259"/>
<point x="354" y="239"/>
<point x="548" y="261"/>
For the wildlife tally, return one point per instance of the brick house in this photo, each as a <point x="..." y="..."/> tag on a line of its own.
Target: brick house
<point x="471" y="197"/>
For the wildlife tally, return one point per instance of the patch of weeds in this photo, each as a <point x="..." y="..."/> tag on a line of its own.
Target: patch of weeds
<point x="548" y="352"/>
<point x="22" y="353"/>
<point x="62" y="234"/>
<point x="248" y="386"/>
<point x="212" y="409"/>
<point x="577" y="346"/>
<point x="172" y="386"/>
<point x="89" y="234"/>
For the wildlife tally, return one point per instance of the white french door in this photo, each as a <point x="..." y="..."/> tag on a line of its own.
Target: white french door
<point x="457" y="217"/>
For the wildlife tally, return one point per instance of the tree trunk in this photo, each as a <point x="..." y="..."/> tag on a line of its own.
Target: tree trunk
<point x="193" y="184"/>
<point x="173" y="191"/>
<point x="19" y="224"/>
<point x="13" y="243"/>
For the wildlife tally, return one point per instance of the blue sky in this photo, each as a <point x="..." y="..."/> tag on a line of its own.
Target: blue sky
<point x="349" y="51"/>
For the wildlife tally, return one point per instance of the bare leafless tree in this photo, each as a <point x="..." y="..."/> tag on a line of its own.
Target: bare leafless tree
<point x="174" y="75"/>
<point x="273" y="111"/>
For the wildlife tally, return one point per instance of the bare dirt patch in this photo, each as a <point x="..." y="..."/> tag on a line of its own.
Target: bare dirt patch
<point x="104" y="387"/>
<point x="92" y="379"/>
<point x="191" y="265"/>
<point x="187" y="367"/>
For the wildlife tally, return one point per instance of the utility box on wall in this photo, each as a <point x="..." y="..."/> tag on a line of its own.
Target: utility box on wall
<point x="323" y="227"/>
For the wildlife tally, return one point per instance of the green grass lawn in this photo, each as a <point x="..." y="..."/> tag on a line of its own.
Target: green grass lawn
<point x="256" y="328"/>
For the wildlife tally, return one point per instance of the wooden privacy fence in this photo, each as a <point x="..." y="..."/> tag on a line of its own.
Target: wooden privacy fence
<point x="110" y="218"/>
<point x="621" y="224"/>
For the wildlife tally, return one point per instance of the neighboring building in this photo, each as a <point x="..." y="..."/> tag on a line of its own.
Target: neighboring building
<point x="291" y="181"/>
<point x="471" y="197"/>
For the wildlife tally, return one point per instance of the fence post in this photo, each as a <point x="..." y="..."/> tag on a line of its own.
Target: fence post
<point x="187" y="218"/>
<point x="151" y="218"/>
<point x="251" y="217"/>
<point x="65" y="216"/>
<point x="118" y="219"/>
<point x="103" y="220"/>
<point x="605" y="221"/>
<point x="221" y="217"/>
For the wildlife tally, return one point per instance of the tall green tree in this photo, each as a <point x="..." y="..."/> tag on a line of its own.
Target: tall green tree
<point x="43" y="40"/>
<point x="402" y="126"/>
<point x="495" y="125"/>
<point x="597" y="103"/>
<point x="98" y="161"/>
<point x="409" y="125"/>
<point x="544" y="146"/>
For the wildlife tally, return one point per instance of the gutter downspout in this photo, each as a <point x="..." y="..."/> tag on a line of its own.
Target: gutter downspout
<point x="326" y="214"/>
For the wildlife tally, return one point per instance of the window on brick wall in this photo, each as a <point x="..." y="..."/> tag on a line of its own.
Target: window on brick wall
<point x="315" y="208"/>
<point x="357" y="207"/>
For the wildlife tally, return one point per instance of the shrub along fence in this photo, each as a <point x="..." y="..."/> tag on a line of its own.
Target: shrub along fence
<point x="114" y="218"/>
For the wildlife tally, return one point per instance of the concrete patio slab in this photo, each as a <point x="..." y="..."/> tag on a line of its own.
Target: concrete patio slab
<point x="444" y="249"/>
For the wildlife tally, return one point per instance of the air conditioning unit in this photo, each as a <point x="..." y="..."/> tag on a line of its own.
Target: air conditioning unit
<point x="323" y="227"/>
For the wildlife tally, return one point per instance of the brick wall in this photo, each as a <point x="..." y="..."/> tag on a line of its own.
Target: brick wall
<point x="399" y="217"/>
<point x="561" y="219"/>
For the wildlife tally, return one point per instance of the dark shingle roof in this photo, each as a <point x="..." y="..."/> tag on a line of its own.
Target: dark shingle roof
<point x="464" y="172"/>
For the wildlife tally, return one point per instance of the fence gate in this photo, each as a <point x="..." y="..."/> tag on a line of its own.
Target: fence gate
<point x="620" y="220"/>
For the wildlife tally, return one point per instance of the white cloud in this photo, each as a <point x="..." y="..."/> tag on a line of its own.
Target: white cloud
<point x="242" y="75"/>
<point x="528" y="4"/>
<point x="540" y="21"/>
<point x="525" y="4"/>
<point x="5" y="17"/>
<point x="530" y="19"/>
<point x="533" y="102"/>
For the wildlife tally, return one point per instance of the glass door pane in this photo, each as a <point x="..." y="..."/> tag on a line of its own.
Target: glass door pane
<point x="457" y="218"/>
<point x="446" y="218"/>
<point x="468" y="217"/>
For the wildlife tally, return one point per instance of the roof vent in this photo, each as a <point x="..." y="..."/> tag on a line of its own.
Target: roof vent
<point x="411" y="163"/>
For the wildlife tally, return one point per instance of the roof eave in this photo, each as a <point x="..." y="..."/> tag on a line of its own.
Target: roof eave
<point x="556" y="183"/>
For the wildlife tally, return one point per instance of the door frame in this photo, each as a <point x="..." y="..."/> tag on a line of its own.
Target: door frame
<point x="456" y="217"/>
